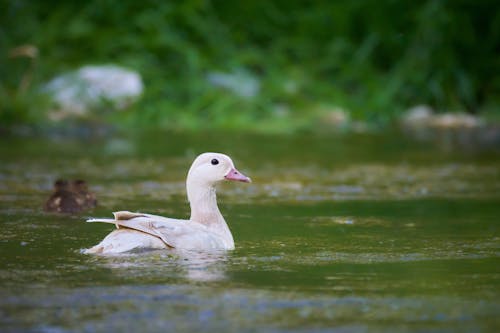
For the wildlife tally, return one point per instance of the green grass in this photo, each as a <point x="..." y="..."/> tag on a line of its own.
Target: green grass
<point x="372" y="59"/>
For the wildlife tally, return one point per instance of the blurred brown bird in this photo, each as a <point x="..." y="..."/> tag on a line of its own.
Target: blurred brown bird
<point x="70" y="198"/>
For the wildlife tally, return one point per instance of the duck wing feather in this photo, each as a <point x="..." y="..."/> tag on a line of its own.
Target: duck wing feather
<point x="171" y="231"/>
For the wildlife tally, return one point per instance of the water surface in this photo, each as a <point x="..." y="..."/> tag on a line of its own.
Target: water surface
<point x="346" y="233"/>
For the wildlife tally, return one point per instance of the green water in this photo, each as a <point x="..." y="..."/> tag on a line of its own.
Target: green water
<point x="348" y="233"/>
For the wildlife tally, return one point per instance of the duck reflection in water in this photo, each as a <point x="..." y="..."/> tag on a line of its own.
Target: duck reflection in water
<point x="144" y="264"/>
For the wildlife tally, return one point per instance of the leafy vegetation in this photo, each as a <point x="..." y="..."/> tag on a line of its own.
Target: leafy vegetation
<point x="372" y="58"/>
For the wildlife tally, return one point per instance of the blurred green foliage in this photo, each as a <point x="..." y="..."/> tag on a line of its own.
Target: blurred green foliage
<point x="373" y="58"/>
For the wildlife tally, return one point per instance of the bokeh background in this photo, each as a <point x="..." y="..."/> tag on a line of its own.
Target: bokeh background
<point x="287" y="65"/>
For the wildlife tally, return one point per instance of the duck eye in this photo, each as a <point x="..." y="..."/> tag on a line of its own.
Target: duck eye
<point x="215" y="161"/>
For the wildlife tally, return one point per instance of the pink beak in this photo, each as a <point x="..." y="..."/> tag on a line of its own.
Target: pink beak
<point x="237" y="176"/>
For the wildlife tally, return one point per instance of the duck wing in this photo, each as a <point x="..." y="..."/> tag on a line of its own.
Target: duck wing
<point x="173" y="232"/>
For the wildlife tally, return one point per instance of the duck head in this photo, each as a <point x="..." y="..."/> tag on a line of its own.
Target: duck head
<point x="61" y="185"/>
<point x="80" y="186"/>
<point x="210" y="168"/>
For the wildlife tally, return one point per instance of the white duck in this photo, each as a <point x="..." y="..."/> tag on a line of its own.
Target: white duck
<point x="206" y="228"/>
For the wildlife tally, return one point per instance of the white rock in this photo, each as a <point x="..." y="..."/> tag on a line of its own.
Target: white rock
<point x="456" y="120"/>
<point x="91" y="87"/>
<point x="418" y="115"/>
<point x="239" y="82"/>
<point x="424" y="116"/>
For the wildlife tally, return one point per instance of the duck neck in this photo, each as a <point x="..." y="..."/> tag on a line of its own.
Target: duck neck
<point x="203" y="201"/>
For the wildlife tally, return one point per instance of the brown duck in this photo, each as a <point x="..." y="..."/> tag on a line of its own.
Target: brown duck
<point x="71" y="197"/>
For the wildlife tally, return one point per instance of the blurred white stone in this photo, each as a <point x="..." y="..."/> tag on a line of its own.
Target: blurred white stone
<point x="456" y="120"/>
<point x="424" y="116"/>
<point x="418" y="115"/>
<point x="92" y="87"/>
<point x="239" y="82"/>
<point x="337" y="116"/>
<point x="334" y="116"/>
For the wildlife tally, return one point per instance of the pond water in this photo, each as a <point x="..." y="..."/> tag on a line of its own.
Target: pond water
<point x="347" y="233"/>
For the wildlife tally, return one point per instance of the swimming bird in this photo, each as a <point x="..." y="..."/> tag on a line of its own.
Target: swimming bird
<point x="71" y="197"/>
<point x="206" y="228"/>
<point x="84" y="197"/>
<point x="62" y="199"/>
